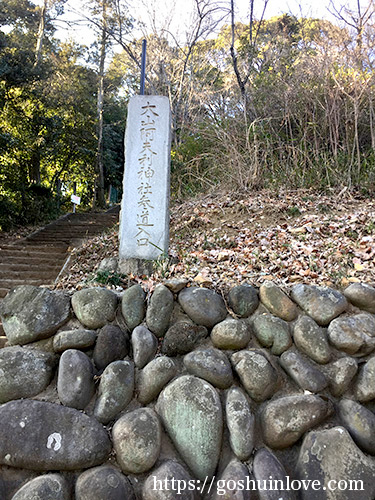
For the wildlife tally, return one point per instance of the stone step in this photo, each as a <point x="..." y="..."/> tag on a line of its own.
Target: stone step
<point x="11" y="266"/>
<point x="32" y="254"/>
<point x="33" y="260"/>
<point x="11" y="283"/>
<point x="28" y="247"/>
<point x="31" y="273"/>
<point x="92" y="227"/>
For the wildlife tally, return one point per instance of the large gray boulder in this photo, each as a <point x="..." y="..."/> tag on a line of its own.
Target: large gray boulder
<point x="73" y="339"/>
<point x="154" y="486"/>
<point x="144" y="344"/>
<point x="111" y="345"/>
<point x="341" y="373"/>
<point x="307" y="376"/>
<point x="191" y="412"/>
<point x="311" y="339"/>
<point x="211" y="365"/>
<point x="257" y="374"/>
<point x="364" y="388"/>
<point x="30" y="313"/>
<point x="362" y="296"/>
<point x="103" y="483"/>
<point x="160" y="310"/>
<point x="231" y="334"/>
<point x="266" y="466"/>
<point x="24" y="372"/>
<point x="344" y="472"/>
<point x="240" y="423"/>
<point x="286" y="419"/>
<point x="354" y="335"/>
<point x="133" y="306"/>
<point x="360" y="422"/>
<point x="45" y="436"/>
<point x="46" y="487"/>
<point x="182" y="337"/>
<point x="322" y="303"/>
<point x="154" y="377"/>
<point x="75" y="381"/>
<point x="94" y="307"/>
<point x="244" y="300"/>
<point x="137" y="440"/>
<point x="232" y="483"/>
<point x="272" y="332"/>
<point x="277" y="302"/>
<point x="205" y="307"/>
<point x="115" y="392"/>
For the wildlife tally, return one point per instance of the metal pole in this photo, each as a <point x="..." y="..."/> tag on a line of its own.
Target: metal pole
<point x="143" y="67"/>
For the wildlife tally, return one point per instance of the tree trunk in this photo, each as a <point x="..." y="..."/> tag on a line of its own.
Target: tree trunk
<point x="99" y="164"/>
<point x="39" y="41"/>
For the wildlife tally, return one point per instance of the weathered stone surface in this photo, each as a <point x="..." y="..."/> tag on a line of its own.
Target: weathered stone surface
<point x="257" y="374"/>
<point x="232" y="483"/>
<point x="2" y="488"/>
<point x="205" y="307"/>
<point x="277" y="302"/>
<point x="46" y="487"/>
<point x="159" y="310"/>
<point x="144" y="344"/>
<point x="362" y="296"/>
<point x="284" y="420"/>
<point x="244" y="300"/>
<point x="137" y="440"/>
<point x="154" y="377"/>
<point x="176" y="285"/>
<point x="331" y="455"/>
<point x="133" y="306"/>
<point x="322" y="303"/>
<point x="360" y="422"/>
<point x="302" y="372"/>
<point x="75" y="381"/>
<point x="231" y="334"/>
<point x="31" y="313"/>
<point x="24" y="372"/>
<point x="45" y="436"/>
<point x="354" y="335"/>
<point x="240" y="421"/>
<point x="73" y="339"/>
<point x="191" y="412"/>
<point x="111" y="345"/>
<point x="272" y="332"/>
<point x="115" y="390"/>
<point x="311" y="339"/>
<point x="365" y="384"/>
<point x="182" y="338"/>
<point x="154" y="486"/>
<point x="144" y="225"/>
<point x="108" y="264"/>
<point x="94" y="307"/>
<point x="267" y="466"/>
<point x="211" y="365"/>
<point x="103" y="483"/>
<point x="341" y="373"/>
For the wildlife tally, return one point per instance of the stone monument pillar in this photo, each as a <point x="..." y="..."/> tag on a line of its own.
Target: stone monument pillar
<point x="144" y="218"/>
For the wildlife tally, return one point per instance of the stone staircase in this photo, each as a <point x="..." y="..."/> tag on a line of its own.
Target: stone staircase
<point x="39" y="258"/>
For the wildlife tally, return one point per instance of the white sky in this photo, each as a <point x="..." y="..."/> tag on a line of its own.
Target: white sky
<point x="176" y="12"/>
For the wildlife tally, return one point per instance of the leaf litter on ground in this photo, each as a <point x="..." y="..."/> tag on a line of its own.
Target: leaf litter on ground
<point x="224" y="239"/>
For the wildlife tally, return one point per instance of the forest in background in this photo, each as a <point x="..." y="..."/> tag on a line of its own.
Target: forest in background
<point x="285" y="101"/>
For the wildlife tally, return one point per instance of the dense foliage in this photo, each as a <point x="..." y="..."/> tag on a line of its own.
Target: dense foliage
<point x="273" y="102"/>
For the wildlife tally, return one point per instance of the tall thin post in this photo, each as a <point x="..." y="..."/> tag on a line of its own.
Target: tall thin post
<point x="143" y="67"/>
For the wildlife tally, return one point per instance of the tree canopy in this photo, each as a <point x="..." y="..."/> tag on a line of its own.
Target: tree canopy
<point x="277" y="100"/>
